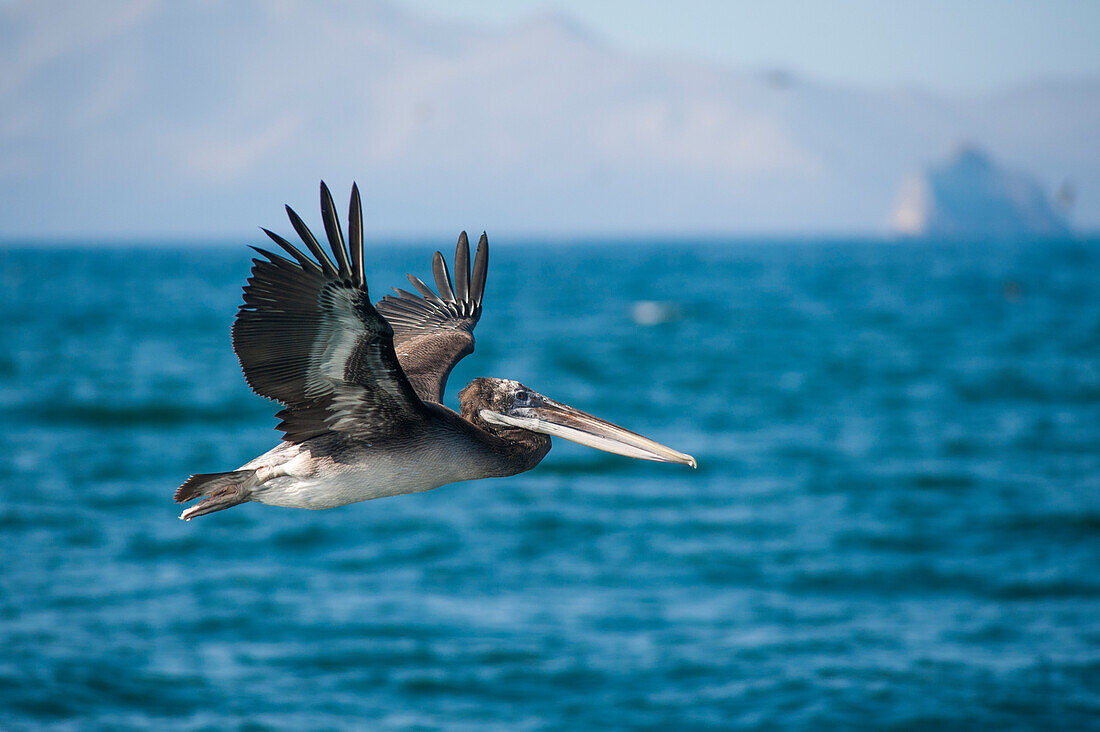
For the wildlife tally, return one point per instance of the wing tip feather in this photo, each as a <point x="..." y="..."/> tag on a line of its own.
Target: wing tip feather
<point x="355" y="235"/>
<point x="334" y="233"/>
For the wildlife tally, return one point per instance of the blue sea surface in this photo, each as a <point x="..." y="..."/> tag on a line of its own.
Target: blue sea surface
<point x="895" y="523"/>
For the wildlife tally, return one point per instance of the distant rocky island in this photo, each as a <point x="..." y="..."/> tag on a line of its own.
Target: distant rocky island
<point x="971" y="195"/>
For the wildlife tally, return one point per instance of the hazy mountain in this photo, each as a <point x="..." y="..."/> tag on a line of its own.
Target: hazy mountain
<point x="969" y="195"/>
<point x="199" y="118"/>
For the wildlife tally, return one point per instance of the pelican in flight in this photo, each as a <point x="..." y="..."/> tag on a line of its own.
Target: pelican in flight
<point x="362" y="385"/>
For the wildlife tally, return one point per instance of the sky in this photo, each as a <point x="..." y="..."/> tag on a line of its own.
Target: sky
<point x="943" y="46"/>
<point x="196" y="119"/>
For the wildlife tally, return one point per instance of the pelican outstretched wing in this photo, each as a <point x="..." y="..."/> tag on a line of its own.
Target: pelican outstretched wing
<point x="433" y="332"/>
<point x="308" y="336"/>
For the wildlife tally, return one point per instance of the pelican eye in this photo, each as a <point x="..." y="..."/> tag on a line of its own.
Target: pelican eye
<point x="521" y="396"/>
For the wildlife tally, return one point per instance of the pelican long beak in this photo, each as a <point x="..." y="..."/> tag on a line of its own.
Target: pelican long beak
<point x="561" y="420"/>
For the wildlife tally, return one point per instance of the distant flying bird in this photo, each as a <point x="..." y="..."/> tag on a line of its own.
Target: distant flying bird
<point x="362" y="384"/>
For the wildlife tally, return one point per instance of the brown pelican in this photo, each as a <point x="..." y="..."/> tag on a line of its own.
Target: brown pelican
<point x="362" y="384"/>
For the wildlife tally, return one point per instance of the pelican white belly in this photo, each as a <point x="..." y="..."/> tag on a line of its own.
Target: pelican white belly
<point x="292" y="476"/>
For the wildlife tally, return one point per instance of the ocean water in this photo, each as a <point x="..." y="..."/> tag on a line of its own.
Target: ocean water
<point x="895" y="523"/>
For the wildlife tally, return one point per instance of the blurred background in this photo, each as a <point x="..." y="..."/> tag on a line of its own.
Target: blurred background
<point x="845" y="254"/>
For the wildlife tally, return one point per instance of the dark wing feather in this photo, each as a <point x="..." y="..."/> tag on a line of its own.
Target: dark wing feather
<point x="308" y="336"/>
<point x="335" y="235"/>
<point x="434" y="332"/>
<point x="355" y="233"/>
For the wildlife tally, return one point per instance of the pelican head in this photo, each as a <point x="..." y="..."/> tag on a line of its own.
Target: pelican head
<point x="500" y="405"/>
